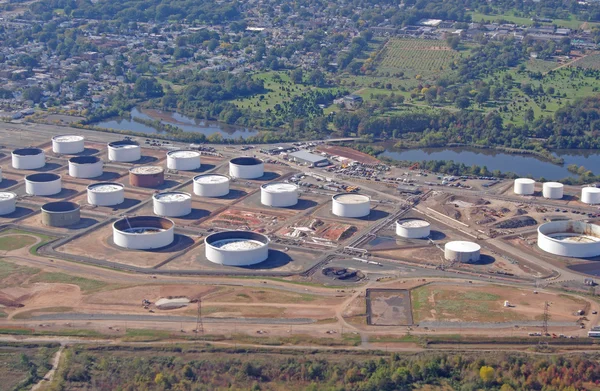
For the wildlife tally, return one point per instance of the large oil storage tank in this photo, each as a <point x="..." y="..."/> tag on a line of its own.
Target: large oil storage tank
<point x="462" y="251"/>
<point x="85" y="167"/>
<point x="575" y="239"/>
<point x="28" y="158"/>
<point x="172" y="204"/>
<point x="43" y="184"/>
<point x="351" y="205"/>
<point x="68" y="144"/>
<point x="413" y="228"/>
<point x="60" y="214"/>
<point x="147" y="176"/>
<point x="105" y="194"/>
<point x="590" y="195"/>
<point x="524" y="186"/>
<point x="211" y="185"/>
<point x="8" y="203"/>
<point x="246" y="167"/>
<point x="237" y="248"/>
<point x="183" y="160"/>
<point x="124" y="151"/>
<point x="553" y="190"/>
<point x="143" y="232"/>
<point x="279" y="194"/>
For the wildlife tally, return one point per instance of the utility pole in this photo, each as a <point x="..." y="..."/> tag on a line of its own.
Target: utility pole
<point x="545" y="319"/>
<point x="199" y="325"/>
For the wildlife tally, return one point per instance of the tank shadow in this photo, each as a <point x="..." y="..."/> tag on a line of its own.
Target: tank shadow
<point x="145" y="160"/>
<point x="19" y="212"/>
<point x="107" y="176"/>
<point x="375" y="215"/>
<point x="485" y="260"/>
<point x="83" y="223"/>
<point x="6" y="183"/>
<point x="303" y="205"/>
<point x="48" y="167"/>
<point x="204" y="168"/>
<point x="196" y="214"/>
<point x="233" y="195"/>
<point x="436" y="235"/>
<point x="64" y="193"/>
<point x="88" y="152"/>
<point x="268" y="176"/>
<point x="180" y="242"/>
<point x="126" y="204"/>
<point x="276" y="259"/>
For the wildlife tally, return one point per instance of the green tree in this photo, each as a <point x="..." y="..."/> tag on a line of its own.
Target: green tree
<point x="147" y="87"/>
<point x="297" y="75"/>
<point x="81" y="89"/>
<point x="33" y="93"/>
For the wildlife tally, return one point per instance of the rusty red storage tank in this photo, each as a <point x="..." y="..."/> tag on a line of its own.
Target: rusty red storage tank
<point x="146" y="176"/>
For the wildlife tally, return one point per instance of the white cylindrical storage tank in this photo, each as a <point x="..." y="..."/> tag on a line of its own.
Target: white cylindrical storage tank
<point x="237" y="248"/>
<point x="279" y="195"/>
<point x="43" y="184"/>
<point x="124" y="151"/>
<point x="462" y="251"/>
<point x="524" y="186"/>
<point x="575" y="239"/>
<point x="28" y="158"/>
<point x="413" y="228"/>
<point x="172" y="204"/>
<point x="590" y="195"/>
<point x="183" y="160"/>
<point x="351" y="205"/>
<point x="553" y="190"/>
<point x="143" y="232"/>
<point x="85" y="167"/>
<point x="68" y="144"/>
<point x="211" y="185"/>
<point x="8" y="203"/>
<point x="246" y="167"/>
<point x="0" y="174"/>
<point x="105" y="194"/>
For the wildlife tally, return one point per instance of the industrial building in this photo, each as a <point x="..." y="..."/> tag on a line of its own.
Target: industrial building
<point x="553" y="190"/>
<point x="574" y="239"/>
<point x="211" y="185"/>
<point x="350" y="205"/>
<point x="124" y="151"/>
<point x="308" y="158"/>
<point x="279" y="195"/>
<point x="413" y="228"/>
<point x="105" y="194"/>
<point x="462" y="251"/>
<point x="237" y="248"/>
<point x="185" y="160"/>
<point x="143" y="232"/>
<point x="85" y="167"/>
<point x="8" y="203"/>
<point x="246" y="167"/>
<point x="172" y="204"/>
<point x="68" y="144"/>
<point x="60" y="214"/>
<point x="43" y="184"/>
<point x="524" y="186"/>
<point x="28" y="158"/>
<point x="147" y="176"/>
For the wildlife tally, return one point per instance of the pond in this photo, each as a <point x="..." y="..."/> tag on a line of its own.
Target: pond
<point x="187" y="124"/>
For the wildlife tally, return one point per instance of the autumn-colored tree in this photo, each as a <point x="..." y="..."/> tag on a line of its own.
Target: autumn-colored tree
<point x="487" y="374"/>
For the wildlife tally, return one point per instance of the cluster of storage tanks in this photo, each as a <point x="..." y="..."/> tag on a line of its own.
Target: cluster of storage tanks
<point x="555" y="191"/>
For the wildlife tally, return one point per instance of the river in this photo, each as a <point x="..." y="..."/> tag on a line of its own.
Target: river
<point x="522" y="165"/>
<point x="187" y="124"/>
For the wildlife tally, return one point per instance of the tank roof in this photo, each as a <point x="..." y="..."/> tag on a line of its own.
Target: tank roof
<point x="68" y="138"/>
<point x="221" y="238"/>
<point x="413" y="223"/>
<point x="462" y="246"/>
<point x="279" y="187"/>
<point x="553" y="184"/>
<point x="27" y="151"/>
<point x="124" y="144"/>
<point x="524" y="180"/>
<point x="146" y="170"/>
<point x="183" y="154"/>
<point x="590" y="189"/>
<point x="246" y="161"/>
<point x="7" y="195"/>
<point x="351" y="198"/>
<point x="42" y="177"/>
<point x="145" y="223"/>
<point x="211" y="178"/>
<point x="60" y="206"/>
<point x="84" y="159"/>
<point x="105" y="187"/>
<point x="237" y="244"/>
<point x="172" y="196"/>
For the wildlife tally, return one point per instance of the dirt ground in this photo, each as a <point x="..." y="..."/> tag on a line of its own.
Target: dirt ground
<point x="348" y="153"/>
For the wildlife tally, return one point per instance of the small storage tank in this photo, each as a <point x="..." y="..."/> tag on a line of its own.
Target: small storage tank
<point x="143" y="232"/>
<point x="211" y="185"/>
<point x="524" y="186"/>
<point x="237" y="248"/>
<point x="68" y="144"/>
<point x="0" y="174"/>
<point x="278" y="194"/>
<point x="183" y="160"/>
<point x="246" y="167"/>
<point x="124" y="151"/>
<point x="8" y="203"/>
<point x="590" y="195"/>
<point x="85" y="167"/>
<point x="147" y="176"/>
<point x="351" y="205"/>
<point x="172" y="204"/>
<point x="105" y="194"/>
<point x="462" y="251"/>
<point x="28" y="158"/>
<point x="43" y="184"/>
<point x="413" y="228"/>
<point x="60" y="214"/>
<point x="553" y="190"/>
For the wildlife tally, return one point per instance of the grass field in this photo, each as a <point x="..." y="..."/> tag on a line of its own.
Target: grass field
<point x="33" y="250"/>
<point x="85" y="284"/>
<point x="20" y="367"/>
<point x="15" y="242"/>
<point x="566" y="23"/>
<point x="10" y="273"/>
<point x="591" y="61"/>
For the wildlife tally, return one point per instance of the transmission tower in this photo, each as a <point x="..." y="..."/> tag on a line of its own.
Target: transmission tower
<point x="199" y="325"/>
<point x="545" y="319"/>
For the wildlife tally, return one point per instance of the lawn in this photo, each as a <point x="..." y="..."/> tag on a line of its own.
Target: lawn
<point x="11" y="273"/>
<point x="15" y="242"/>
<point x="33" y="250"/>
<point x="85" y="284"/>
<point x="524" y="21"/>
